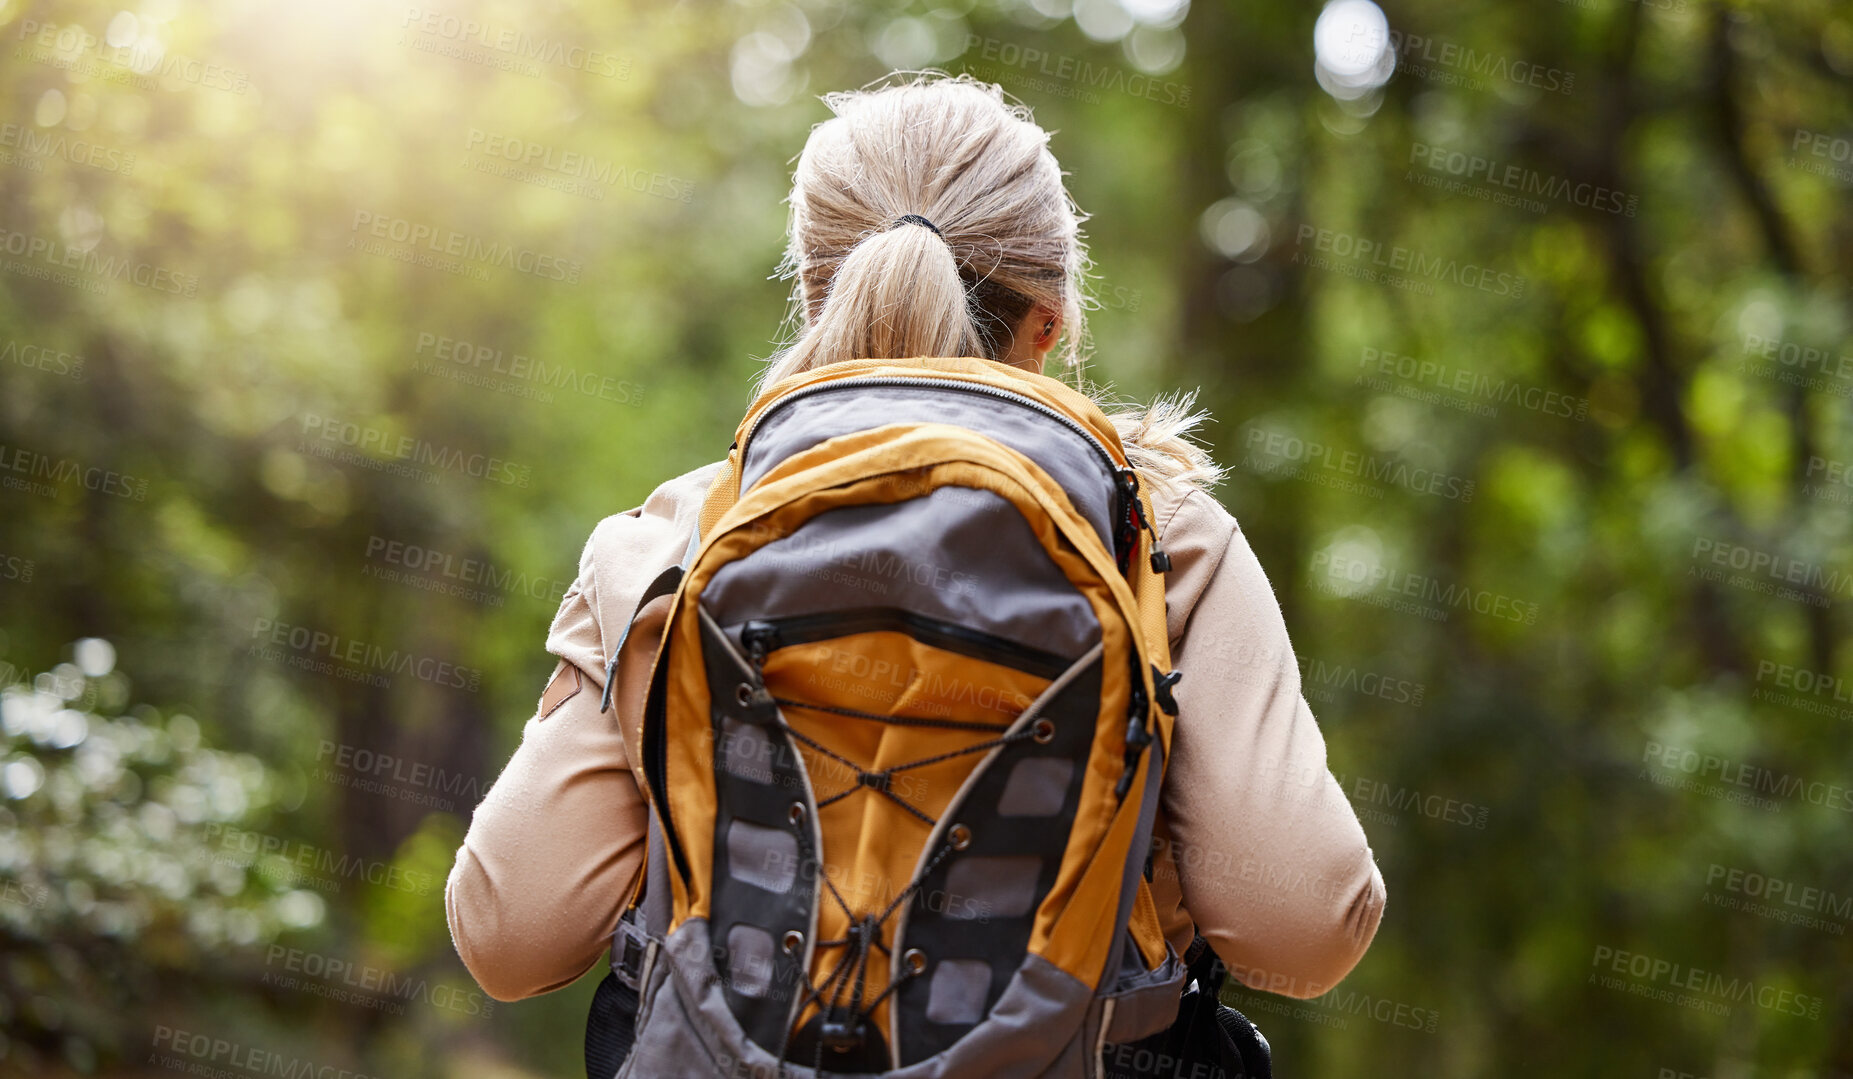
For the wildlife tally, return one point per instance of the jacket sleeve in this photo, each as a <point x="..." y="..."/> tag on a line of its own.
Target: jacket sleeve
<point x="554" y="850"/>
<point x="1268" y="857"/>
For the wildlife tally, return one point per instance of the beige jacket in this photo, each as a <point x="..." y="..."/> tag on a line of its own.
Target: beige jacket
<point x="1257" y="843"/>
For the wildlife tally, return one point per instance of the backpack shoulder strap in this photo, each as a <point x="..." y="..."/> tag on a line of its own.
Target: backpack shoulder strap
<point x="722" y="493"/>
<point x="663" y="585"/>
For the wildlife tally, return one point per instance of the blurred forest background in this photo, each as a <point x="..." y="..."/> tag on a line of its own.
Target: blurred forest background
<point x="328" y="331"/>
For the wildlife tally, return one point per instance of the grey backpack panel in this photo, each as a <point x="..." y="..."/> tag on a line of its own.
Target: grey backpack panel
<point x="1071" y="458"/>
<point x="958" y="555"/>
<point x="1142" y="1002"/>
<point x="1046" y="1025"/>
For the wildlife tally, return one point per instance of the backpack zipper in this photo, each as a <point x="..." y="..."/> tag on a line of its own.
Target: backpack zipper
<point x="764" y="636"/>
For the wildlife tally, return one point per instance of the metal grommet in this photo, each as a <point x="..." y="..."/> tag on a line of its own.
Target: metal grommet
<point x="795" y="813"/>
<point x="915" y="959"/>
<point x="744" y="694"/>
<point x="961" y="837"/>
<point x="1043" y="731"/>
<point x="794" y="940"/>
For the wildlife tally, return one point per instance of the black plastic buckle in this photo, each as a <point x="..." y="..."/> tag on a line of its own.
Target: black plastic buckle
<point x="1161" y="689"/>
<point x="628" y="965"/>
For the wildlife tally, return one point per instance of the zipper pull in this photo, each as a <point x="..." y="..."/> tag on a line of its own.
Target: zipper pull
<point x="1135" y="515"/>
<point x="1126" y="529"/>
<point x="1137" y="738"/>
<point x="1138" y="735"/>
<point x="760" y="639"/>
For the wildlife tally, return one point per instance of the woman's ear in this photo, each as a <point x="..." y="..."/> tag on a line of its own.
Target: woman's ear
<point x="1048" y="324"/>
<point x="1035" y="336"/>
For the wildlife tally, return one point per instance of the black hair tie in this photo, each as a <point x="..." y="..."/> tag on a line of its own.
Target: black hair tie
<point x="916" y="219"/>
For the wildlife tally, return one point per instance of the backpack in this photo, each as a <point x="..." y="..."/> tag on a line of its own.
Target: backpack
<point x="902" y="743"/>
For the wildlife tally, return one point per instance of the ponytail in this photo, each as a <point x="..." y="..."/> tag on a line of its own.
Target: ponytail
<point x="897" y="294"/>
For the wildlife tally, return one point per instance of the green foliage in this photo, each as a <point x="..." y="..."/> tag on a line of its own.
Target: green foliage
<point x="123" y="866"/>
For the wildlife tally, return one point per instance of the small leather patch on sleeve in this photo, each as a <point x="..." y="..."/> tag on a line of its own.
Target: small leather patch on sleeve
<point x="566" y="683"/>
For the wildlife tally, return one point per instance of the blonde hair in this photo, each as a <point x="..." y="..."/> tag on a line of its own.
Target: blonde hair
<point x="868" y="285"/>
